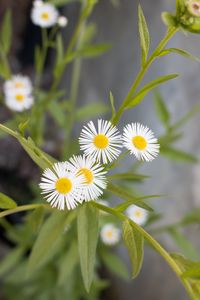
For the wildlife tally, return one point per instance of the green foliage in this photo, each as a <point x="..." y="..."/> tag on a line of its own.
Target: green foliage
<point x="134" y="243"/>
<point x="161" y="109"/>
<point x="88" y="227"/>
<point x="6" y="33"/>
<point x="178" y="155"/>
<point x="144" y="35"/>
<point x="179" y="52"/>
<point x="6" y="202"/>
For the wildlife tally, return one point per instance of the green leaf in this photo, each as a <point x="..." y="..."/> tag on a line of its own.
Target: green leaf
<point x="87" y="222"/>
<point x="193" y="272"/>
<point x="184" y="245"/>
<point x="68" y="264"/>
<point x="59" y="55"/>
<point x="178" y="51"/>
<point x="128" y="176"/>
<point x="49" y="237"/>
<point x="178" y="155"/>
<point x="9" y="262"/>
<point x="169" y="20"/>
<point x="91" y="110"/>
<point x="35" y="219"/>
<point x="61" y="2"/>
<point x="6" y="202"/>
<point x="6" y="33"/>
<point x="137" y="201"/>
<point x="148" y="87"/>
<point x="144" y="35"/>
<point x="57" y="113"/>
<point x="135" y="245"/>
<point x="192" y="218"/>
<point x="195" y="110"/>
<point x="161" y="109"/>
<point x="126" y="196"/>
<point x="114" y="264"/>
<point x="38" y="61"/>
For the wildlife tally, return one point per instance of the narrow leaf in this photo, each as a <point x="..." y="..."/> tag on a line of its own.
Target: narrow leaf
<point x="144" y="35"/>
<point x="6" y="33"/>
<point x="161" y="109"/>
<point x="9" y="262"/>
<point x="193" y="272"/>
<point x="112" y="102"/>
<point x="87" y="241"/>
<point x="180" y="52"/>
<point x="6" y="202"/>
<point x="135" y="244"/>
<point x="148" y="87"/>
<point x="91" y="110"/>
<point x="128" y="176"/>
<point x="178" y="155"/>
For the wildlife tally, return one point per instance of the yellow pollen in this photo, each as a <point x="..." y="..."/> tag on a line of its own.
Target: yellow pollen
<point x="101" y="141"/>
<point x="19" y="85"/>
<point x="109" y="233"/>
<point x="88" y="175"/>
<point x="63" y="185"/>
<point x="45" y="16"/>
<point x="19" y="97"/>
<point x="138" y="213"/>
<point x="139" y="142"/>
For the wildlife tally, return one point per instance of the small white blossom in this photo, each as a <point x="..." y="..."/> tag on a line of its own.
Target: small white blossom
<point x="45" y="15"/>
<point x="110" y="234"/>
<point x="62" y="21"/>
<point x="137" y="214"/>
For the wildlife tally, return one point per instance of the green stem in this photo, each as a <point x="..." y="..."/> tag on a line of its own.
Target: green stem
<point x="20" y="208"/>
<point x="154" y="244"/>
<point x="144" y="69"/>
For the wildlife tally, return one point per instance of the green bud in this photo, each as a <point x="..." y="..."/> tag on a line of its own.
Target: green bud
<point x="188" y="15"/>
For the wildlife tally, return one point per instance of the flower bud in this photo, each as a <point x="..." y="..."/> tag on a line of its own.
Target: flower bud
<point x="62" y="21"/>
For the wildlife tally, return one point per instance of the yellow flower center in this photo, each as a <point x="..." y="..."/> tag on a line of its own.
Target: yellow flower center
<point x="45" y="16"/>
<point x="101" y="141"/>
<point x="88" y="175"/>
<point x="19" y="97"/>
<point x="63" y="185"/>
<point x="138" y="213"/>
<point x="194" y="8"/>
<point x="19" y="84"/>
<point x="139" y="142"/>
<point x="109" y="234"/>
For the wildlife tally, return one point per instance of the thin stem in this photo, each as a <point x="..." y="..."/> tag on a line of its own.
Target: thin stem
<point x="144" y="69"/>
<point x="20" y="208"/>
<point x="154" y="244"/>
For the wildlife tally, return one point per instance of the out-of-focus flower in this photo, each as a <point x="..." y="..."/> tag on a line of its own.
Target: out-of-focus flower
<point x="137" y="214"/>
<point x="93" y="174"/>
<point x="101" y="144"/>
<point x="61" y="187"/>
<point x="62" y="21"/>
<point x="17" y="91"/>
<point x="45" y="15"/>
<point x="37" y="3"/>
<point x="187" y="16"/>
<point x="110" y="234"/>
<point x="140" y="141"/>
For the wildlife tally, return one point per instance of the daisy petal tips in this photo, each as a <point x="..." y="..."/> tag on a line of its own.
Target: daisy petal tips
<point x="93" y="173"/>
<point x="137" y="214"/>
<point x="62" y="187"/>
<point x="102" y="143"/>
<point x="140" y="141"/>
<point x="110" y="234"/>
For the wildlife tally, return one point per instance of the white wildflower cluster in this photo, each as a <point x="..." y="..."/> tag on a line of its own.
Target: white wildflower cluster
<point x="46" y="15"/>
<point x="18" y="93"/>
<point x="83" y="177"/>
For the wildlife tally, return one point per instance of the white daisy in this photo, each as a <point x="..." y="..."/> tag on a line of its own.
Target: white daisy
<point x="110" y="234"/>
<point x="62" y="21"/>
<point x="62" y="188"/>
<point x="18" y="82"/>
<point x="101" y="144"/>
<point x="194" y="7"/>
<point x="140" y="141"/>
<point x="137" y="214"/>
<point x="45" y="15"/>
<point x="93" y="174"/>
<point x="37" y="3"/>
<point x="18" y="100"/>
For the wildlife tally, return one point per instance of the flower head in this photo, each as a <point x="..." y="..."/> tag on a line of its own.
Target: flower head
<point x="140" y="141"/>
<point x="18" y="100"/>
<point x="18" y="82"/>
<point x="101" y="144"/>
<point x="37" y="3"/>
<point x="62" y="21"/>
<point x="137" y="214"/>
<point x="62" y="187"/>
<point x="92" y="173"/>
<point x="44" y="15"/>
<point x="110" y="234"/>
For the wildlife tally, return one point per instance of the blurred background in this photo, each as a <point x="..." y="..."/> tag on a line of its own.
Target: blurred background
<point x="115" y="71"/>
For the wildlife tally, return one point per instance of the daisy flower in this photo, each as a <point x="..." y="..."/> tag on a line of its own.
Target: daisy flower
<point x="62" y="21"/>
<point x="62" y="188"/>
<point x="44" y="15"/>
<point x="18" y="82"/>
<point x="93" y="174"/>
<point x="110" y="234"/>
<point x="101" y="144"/>
<point x="140" y="141"/>
<point x="137" y="214"/>
<point x="18" y="100"/>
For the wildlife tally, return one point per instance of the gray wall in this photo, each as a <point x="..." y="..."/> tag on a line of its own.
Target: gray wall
<point x="115" y="71"/>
